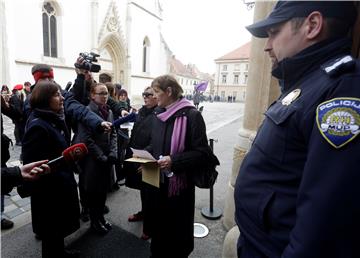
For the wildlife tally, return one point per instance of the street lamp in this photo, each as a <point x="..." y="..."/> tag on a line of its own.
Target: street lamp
<point x="249" y="4"/>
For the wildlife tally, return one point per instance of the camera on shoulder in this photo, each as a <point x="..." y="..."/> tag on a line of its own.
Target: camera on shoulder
<point x="88" y="65"/>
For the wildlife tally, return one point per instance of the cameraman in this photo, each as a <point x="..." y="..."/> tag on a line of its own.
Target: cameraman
<point x="83" y="81"/>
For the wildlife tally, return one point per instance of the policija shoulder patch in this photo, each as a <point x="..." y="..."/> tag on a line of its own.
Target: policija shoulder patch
<point x="338" y="120"/>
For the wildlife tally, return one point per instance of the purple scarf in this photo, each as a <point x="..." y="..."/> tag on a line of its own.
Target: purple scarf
<point x="177" y="182"/>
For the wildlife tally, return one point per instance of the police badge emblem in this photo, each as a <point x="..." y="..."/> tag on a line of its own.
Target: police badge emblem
<point x="338" y="120"/>
<point x="288" y="99"/>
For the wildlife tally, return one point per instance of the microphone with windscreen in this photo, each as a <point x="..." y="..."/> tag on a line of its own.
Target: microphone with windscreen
<point x="73" y="153"/>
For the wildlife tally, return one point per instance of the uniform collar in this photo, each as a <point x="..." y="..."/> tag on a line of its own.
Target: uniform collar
<point x="290" y="70"/>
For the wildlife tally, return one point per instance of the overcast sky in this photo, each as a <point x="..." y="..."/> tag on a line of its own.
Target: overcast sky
<point x="199" y="31"/>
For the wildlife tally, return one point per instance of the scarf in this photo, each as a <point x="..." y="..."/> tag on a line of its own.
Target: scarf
<point x="104" y="111"/>
<point x="292" y="70"/>
<point x="57" y="119"/>
<point x="178" y="181"/>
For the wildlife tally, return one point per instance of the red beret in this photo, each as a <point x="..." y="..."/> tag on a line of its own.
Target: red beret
<point x="18" y="87"/>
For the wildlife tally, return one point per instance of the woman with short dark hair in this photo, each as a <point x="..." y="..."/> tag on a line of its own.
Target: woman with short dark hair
<point x="54" y="198"/>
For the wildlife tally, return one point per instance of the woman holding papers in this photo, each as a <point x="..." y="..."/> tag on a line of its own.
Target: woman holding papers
<point x="179" y="141"/>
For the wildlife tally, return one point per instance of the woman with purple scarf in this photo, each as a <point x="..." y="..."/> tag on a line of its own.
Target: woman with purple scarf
<point x="180" y="144"/>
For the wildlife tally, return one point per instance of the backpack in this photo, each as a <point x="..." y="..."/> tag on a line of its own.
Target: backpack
<point x="205" y="176"/>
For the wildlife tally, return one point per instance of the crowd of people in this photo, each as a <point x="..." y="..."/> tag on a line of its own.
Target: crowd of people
<point x="50" y="119"/>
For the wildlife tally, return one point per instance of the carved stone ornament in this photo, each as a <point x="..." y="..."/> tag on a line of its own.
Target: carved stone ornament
<point x="112" y="24"/>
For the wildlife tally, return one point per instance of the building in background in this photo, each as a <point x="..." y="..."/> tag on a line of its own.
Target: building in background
<point x="231" y="74"/>
<point x="126" y="34"/>
<point x="188" y="76"/>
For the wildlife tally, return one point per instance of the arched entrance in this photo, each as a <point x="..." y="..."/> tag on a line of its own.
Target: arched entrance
<point x="113" y="59"/>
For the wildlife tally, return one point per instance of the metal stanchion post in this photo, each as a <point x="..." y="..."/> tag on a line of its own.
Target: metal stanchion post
<point x="211" y="212"/>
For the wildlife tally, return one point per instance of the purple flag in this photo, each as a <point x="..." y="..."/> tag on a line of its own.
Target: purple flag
<point x="201" y="86"/>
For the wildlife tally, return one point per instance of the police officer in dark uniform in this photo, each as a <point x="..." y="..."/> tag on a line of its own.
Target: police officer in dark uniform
<point x="298" y="189"/>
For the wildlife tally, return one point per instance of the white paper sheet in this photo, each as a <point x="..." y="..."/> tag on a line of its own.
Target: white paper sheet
<point x="142" y="154"/>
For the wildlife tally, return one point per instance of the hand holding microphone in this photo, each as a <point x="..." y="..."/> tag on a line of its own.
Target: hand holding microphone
<point x="128" y="118"/>
<point x="71" y="154"/>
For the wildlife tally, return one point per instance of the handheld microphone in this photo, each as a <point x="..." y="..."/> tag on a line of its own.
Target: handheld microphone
<point x="129" y="118"/>
<point x="71" y="154"/>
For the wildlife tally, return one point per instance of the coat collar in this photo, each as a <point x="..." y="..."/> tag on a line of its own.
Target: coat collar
<point x="290" y="70"/>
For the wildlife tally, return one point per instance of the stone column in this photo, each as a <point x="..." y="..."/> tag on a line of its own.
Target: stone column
<point x="128" y="72"/>
<point x="261" y="90"/>
<point x="4" y="57"/>
<point x="94" y="25"/>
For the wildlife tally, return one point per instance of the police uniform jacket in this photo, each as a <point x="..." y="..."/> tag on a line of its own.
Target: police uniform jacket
<point x="297" y="193"/>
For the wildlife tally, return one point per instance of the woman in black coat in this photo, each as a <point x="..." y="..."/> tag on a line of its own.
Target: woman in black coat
<point x="96" y="168"/>
<point x="140" y="138"/>
<point x="54" y="197"/>
<point x="179" y="141"/>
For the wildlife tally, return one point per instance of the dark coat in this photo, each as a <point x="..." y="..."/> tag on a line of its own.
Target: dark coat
<point x="11" y="112"/>
<point x="196" y="98"/>
<point x="116" y="107"/>
<point x="10" y="177"/>
<point x="81" y="90"/>
<point x="296" y="194"/>
<point x="100" y="145"/>
<point x="173" y="217"/>
<point x="18" y="103"/>
<point x="54" y="198"/>
<point x="140" y="138"/>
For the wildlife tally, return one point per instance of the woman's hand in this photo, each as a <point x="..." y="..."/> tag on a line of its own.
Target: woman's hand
<point x="106" y="126"/>
<point x="165" y="162"/>
<point x="124" y="113"/>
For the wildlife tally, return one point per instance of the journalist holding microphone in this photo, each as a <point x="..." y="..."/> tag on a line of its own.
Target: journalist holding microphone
<point x="14" y="176"/>
<point x="54" y="198"/>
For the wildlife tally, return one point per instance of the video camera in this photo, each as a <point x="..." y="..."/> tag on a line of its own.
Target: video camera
<point x="88" y="64"/>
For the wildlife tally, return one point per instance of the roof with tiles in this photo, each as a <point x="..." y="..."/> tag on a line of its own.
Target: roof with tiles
<point x="177" y="67"/>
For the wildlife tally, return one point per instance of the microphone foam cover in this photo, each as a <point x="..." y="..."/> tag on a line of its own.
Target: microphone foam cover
<point x="75" y="152"/>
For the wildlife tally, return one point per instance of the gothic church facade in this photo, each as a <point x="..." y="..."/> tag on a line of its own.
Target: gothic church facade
<point x="126" y="34"/>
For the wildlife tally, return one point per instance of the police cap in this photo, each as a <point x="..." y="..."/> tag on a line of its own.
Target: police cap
<point x="286" y="10"/>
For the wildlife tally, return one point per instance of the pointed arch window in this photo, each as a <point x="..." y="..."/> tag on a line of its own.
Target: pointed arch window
<point x="146" y="55"/>
<point x="49" y="30"/>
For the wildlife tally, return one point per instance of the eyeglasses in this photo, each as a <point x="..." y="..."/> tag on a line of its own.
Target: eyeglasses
<point x="102" y="93"/>
<point x="146" y="94"/>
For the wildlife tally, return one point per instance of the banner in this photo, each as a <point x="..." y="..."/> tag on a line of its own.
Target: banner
<point x="201" y="86"/>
